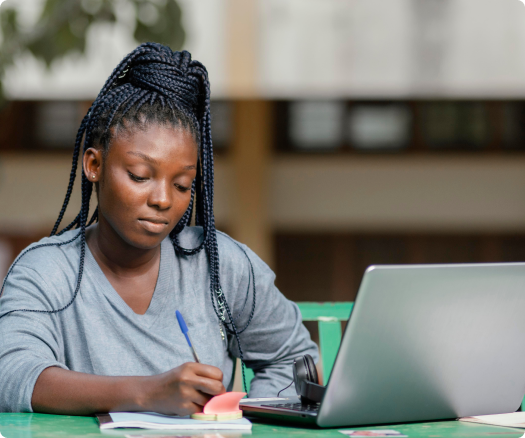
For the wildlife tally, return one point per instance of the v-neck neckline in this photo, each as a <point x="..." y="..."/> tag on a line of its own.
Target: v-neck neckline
<point x="160" y="293"/>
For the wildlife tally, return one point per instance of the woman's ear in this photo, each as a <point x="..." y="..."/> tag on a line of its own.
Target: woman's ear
<point x="92" y="164"/>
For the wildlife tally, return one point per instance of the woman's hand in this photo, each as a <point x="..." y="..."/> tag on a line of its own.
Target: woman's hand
<point x="183" y="390"/>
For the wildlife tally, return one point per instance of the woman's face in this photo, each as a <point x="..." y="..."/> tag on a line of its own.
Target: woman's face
<point x="144" y="182"/>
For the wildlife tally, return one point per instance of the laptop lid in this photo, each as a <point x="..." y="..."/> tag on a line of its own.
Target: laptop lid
<point x="429" y="342"/>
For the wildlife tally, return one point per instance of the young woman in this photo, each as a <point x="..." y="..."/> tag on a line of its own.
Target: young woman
<point x="87" y="316"/>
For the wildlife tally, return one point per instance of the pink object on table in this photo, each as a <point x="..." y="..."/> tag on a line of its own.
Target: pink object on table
<point x="224" y="403"/>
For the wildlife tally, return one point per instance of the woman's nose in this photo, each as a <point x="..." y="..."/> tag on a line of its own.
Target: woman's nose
<point x="159" y="196"/>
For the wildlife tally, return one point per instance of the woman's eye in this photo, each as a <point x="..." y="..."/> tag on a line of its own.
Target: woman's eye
<point x="136" y="178"/>
<point x="182" y="188"/>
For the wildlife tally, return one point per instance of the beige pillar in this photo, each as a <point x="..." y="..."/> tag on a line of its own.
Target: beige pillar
<point x="250" y="155"/>
<point x="242" y="34"/>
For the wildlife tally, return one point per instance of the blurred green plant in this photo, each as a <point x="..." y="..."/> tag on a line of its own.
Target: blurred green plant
<point x="63" y="26"/>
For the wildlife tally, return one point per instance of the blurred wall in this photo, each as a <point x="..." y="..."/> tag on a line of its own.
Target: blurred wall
<point x="398" y="194"/>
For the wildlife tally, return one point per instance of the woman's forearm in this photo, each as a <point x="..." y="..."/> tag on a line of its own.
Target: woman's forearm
<point x="181" y="391"/>
<point x="59" y="391"/>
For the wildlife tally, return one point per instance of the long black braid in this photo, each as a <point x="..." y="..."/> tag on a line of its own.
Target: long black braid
<point x="153" y="84"/>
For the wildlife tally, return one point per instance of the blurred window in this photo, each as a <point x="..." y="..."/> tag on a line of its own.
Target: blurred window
<point x="455" y="124"/>
<point x="513" y="129"/>
<point x="475" y="124"/>
<point x="57" y="124"/>
<point x="440" y="123"/>
<point x="221" y="123"/>
<point x="376" y="126"/>
<point x="316" y="124"/>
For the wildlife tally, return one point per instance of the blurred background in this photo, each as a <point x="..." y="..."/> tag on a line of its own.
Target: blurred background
<point x="347" y="132"/>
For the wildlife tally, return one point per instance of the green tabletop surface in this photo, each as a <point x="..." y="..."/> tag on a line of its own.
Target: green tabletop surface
<point x="42" y="425"/>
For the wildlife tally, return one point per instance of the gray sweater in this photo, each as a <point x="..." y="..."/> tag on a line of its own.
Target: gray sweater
<point x="100" y="334"/>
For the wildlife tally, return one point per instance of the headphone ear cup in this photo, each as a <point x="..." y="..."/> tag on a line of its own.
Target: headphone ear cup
<point x="304" y="371"/>
<point x="312" y="370"/>
<point x="300" y="374"/>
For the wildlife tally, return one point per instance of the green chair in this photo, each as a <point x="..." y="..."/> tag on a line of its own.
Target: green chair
<point x="328" y="317"/>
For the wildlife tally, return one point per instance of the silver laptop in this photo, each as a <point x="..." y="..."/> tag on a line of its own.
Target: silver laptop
<point x="423" y="342"/>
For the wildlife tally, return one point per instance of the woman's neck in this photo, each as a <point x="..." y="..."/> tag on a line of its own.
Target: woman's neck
<point x="116" y="254"/>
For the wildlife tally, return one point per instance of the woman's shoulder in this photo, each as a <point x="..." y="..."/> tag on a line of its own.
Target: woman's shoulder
<point x="236" y="260"/>
<point x="42" y="271"/>
<point x="51" y="256"/>
<point x="229" y="248"/>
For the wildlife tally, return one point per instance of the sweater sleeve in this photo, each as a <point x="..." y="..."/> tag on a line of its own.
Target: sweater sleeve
<point x="29" y="341"/>
<point x="275" y="335"/>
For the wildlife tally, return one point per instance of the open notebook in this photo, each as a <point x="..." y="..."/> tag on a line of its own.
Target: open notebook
<point x="152" y="420"/>
<point x="514" y="419"/>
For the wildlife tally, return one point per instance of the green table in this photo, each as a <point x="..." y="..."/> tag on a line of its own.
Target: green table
<point x="47" y="426"/>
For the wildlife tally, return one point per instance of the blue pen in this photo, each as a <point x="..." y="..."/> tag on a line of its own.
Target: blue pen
<point x="184" y="329"/>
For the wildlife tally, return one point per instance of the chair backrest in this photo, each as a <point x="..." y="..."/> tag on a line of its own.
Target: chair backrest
<point x="329" y="316"/>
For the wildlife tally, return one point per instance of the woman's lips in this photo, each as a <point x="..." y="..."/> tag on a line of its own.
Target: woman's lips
<point x="153" y="226"/>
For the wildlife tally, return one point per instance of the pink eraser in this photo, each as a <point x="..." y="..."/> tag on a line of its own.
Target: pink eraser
<point x="227" y="402"/>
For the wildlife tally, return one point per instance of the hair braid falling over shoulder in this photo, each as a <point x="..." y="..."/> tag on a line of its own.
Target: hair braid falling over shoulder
<point x="153" y="84"/>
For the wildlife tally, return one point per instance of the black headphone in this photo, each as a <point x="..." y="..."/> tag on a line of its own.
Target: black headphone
<point x="306" y="380"/>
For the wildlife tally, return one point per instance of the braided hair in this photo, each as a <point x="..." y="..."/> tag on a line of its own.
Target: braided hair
<point x="154" y="84"/>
